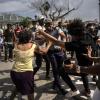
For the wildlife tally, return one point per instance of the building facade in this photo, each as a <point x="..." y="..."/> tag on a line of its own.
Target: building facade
<point x="9" y="18"/>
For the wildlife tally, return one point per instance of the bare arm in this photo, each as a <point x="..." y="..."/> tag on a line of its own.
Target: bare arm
<point x="52" y="39"/>
<point x="43" y="50"/>
<point x="98" y="40"/>
<point x="63" y="36"/>
<point x="94" y="70"/>
<point x="95" y="59"/>
<point x="14" y="38"/>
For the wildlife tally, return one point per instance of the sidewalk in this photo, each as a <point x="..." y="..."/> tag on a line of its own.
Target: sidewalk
<point x="43" y="91"/>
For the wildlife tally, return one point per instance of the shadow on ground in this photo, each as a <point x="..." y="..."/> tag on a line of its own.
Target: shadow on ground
<point x="6" y="85"/>
<point x="44" y="90"/>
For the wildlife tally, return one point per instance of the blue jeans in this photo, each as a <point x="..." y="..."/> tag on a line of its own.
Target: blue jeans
<point x="56" y="59"/>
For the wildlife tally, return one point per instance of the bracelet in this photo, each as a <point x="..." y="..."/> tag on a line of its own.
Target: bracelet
<point x="78" y="69"/>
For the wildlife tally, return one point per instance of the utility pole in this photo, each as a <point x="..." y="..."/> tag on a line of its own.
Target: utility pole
<point x="68" y="5"/>
<point x="99" y="11"/>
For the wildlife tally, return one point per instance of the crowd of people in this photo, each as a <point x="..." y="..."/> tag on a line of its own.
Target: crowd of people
<point x="42" y="40"/>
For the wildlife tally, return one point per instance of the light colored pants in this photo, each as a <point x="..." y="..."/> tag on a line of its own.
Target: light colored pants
<point x="96" y="95"/>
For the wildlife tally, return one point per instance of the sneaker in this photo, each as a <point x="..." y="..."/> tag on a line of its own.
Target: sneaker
<point x="86" y="93"/>
<point x="59" y="90"/>
<point x="72" y="93"/>
<point x="63" y="92"/>
<point x="11" y="60"/>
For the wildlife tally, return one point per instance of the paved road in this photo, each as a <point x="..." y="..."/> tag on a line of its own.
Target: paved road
<point x="43" y="91"/>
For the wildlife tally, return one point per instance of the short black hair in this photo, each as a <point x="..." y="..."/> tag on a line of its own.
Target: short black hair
<point x="24" y="37"/>
<point x="90" y="24"/>
<point x="9" y="25"/>
<point x="76" y="27"/>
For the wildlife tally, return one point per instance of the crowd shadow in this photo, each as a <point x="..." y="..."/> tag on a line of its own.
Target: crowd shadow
<point x="47" y="89"/>
<point x="6" y="86"/>
<point x="4" y="71"/>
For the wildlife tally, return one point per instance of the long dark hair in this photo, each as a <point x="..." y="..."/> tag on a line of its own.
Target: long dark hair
<point x="76" y="27"/>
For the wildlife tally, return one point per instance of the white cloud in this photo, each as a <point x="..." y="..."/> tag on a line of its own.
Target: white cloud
<point x="87" y="11"/>
<point x="10" y="6"/>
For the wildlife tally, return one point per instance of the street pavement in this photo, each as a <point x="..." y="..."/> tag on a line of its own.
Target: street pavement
<point x="43" y="89"/>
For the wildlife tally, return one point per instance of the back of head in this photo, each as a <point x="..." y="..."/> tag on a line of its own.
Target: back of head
<point x="34" y="22"/>
<point x="9" y="26"/>
<point x="90" y="24"/>
<point x="76" y="27"/>
<point x="41" y="20"/>
<point x="24" y="37"/>
<point x="60" y="24"/>
<point x="48" y="22"/>
<point x="92" y="28"/>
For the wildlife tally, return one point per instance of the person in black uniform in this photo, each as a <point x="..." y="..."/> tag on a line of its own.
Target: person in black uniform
<point x="76" y="29"/>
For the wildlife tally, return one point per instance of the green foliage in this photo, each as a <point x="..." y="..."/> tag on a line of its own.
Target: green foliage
<point x="25" y="22"/>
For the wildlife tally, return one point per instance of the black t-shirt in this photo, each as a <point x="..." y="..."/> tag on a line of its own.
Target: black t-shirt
<point x="8" y="36"/>
<point x="92" y="39"/>
<point x="80" y="48"/>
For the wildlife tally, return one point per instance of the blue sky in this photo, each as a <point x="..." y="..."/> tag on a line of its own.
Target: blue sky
<point x="89" y="9"/>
